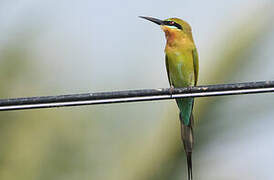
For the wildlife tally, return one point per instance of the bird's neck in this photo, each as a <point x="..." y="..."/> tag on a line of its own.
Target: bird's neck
<point x="177" y="41"/>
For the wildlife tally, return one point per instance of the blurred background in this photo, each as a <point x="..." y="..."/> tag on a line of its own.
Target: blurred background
<point x="61" y="47"/>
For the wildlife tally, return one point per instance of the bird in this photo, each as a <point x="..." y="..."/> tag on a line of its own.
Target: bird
<point x="182" y="65"/>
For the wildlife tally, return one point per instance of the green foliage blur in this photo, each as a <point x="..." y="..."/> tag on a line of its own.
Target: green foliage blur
<point x="139" y="140"/>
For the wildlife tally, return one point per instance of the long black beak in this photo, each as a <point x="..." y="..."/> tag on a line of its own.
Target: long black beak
<point x="157" y="21"/>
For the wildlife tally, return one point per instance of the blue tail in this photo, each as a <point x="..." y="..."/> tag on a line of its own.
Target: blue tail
<point x="187" y="121"/>
<point x="185" y="106"/>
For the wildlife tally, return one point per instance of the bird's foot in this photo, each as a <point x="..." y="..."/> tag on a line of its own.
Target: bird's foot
<point x="171" y="90"/>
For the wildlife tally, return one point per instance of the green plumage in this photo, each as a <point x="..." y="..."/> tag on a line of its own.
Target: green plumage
<point x="182" y="70"/>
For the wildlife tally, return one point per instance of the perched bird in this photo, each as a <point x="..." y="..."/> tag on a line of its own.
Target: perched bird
<point x="182" y="70"/>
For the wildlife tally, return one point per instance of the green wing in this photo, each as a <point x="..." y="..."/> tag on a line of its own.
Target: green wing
<point x="196" y="64"/>
<point x="167" y="70"/>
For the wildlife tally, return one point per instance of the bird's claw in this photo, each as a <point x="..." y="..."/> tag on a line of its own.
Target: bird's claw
<point x="171" y="90"/>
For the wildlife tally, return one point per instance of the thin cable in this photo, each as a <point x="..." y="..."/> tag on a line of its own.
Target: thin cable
<point x="135" y="95"/>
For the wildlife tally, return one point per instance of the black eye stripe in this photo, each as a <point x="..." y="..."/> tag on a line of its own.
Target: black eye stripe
<point x="172" y="23"/>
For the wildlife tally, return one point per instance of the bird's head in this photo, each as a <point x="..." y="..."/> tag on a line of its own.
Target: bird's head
<point x="176" y="30"/>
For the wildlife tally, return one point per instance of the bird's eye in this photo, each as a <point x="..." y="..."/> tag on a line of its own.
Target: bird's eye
<point x="174" y="24"/>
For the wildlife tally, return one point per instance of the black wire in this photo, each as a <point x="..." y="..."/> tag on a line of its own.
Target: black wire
<point x="135" y="95"/>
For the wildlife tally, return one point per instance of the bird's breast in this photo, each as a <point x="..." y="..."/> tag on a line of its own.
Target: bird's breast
<point x="181" y="69"/>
